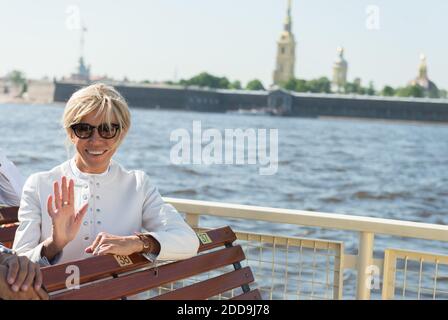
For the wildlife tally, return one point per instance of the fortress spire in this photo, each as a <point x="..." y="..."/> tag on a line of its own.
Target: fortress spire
<point x="288" y="20"/>
<point x="83" y="71"/>
<point x="423" y="68"/>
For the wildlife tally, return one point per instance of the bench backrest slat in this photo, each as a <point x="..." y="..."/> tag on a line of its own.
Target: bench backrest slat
<point x="7" y="235"/>
<point x="210" y="287"/>
<point x="8" y="215"/>
<point x="90" y="269"/>
<point x="219" y="237"/>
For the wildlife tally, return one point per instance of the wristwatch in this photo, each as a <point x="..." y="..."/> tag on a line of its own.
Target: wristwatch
<point x="147" y="243"/>
<point x="148" y="247"/>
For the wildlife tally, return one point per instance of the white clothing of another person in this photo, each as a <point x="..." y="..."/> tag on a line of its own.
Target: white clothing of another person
<point x="11" y="182"/>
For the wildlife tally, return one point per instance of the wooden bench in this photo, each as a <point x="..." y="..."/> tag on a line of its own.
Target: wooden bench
<point x="117" y="277"/>
<point x="8" y="225"/>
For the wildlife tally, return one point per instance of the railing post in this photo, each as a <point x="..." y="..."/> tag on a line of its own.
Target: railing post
<point x="365" y="260"/>
<point x="192" y="220"/>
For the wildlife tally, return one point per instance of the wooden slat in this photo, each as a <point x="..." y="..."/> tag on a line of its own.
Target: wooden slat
<point x="7" y="234"/>
<point x="220" y="237"/>
<point x="210" y="287"/>
<point x="90" y="269"/>
<point x="148" y="279"/>
<point x="8" y="215"/>
<point x="251" y="295"/>
<point x="8" y="244"/>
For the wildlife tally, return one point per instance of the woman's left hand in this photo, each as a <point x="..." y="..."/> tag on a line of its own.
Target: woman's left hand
<point x="106" y="243"/>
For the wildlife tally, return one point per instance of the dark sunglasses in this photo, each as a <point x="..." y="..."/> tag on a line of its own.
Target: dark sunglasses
<point x="85" y="130"/>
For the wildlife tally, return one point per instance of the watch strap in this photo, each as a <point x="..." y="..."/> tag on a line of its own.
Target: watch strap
<point x="147" y="243"/>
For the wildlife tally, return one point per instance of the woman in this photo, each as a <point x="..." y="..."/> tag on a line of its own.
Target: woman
<point x="92" y="205"/>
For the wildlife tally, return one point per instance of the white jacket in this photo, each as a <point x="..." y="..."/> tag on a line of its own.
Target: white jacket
<point x="120" y="203"/>
<point x="11" y="182"/>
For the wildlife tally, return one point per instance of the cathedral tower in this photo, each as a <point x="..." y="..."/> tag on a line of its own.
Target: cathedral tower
<point x="340" y="67"/>
<point x="286" y="47"/>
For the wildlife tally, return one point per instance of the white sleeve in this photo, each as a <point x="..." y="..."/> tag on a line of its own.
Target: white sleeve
<point x="162" y="221"/>
<point x="7" y="194"/>
<point x="28" y="234"/>
<point x="12" y="183"/>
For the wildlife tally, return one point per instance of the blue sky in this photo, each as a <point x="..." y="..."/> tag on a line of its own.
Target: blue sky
<point x="164" y="39"/>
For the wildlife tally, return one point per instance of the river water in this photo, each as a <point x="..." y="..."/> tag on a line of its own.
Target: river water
<point x="368" y="168"/>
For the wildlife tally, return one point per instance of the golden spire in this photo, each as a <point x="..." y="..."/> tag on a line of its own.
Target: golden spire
<point x="288" y="20"/>
<point x="423" y="68"/>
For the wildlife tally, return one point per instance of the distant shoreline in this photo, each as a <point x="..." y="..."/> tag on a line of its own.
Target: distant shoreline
<point x="22" y="101"/>
<point x="8" y="99"/>
<point x="440" y="123"/>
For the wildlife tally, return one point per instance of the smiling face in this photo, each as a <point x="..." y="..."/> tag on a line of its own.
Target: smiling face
<point x="93" y="155"/>
<point x="96" y="105"/>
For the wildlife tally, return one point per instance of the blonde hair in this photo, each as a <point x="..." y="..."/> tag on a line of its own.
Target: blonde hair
<point x="103" y="99"/>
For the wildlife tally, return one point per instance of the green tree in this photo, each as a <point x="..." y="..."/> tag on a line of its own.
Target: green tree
<point x="349" y="87"/>
<point x="298" y="85"/>
<point x="358" y="86"/>
<point x="371" y="89"/>
<point x="17" y="77"/>
<point x="224" y="83"/>
<point x="302" y="86"/>
<point x="388" y="91"/>
<point x="410" y="91"/>
<point x="443" y="93"/>
<point x="435" y="93"/>
<point x="205" y="79"/>
<point x="255" y="85"/>
<point x="236" y="85"/>
<point x="355" y="87"/>
<point x="321" y="85"/>
<point x="291" y="84"/>
<point x="24" y="88"/>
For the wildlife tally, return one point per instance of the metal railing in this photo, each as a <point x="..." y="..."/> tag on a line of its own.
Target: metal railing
<point x="431" y="273"/>
<point x="294" y="268"/>
<point x="363" y="263"/>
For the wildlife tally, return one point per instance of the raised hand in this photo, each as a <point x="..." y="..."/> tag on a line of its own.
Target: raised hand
<point x="66" y="222"/>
